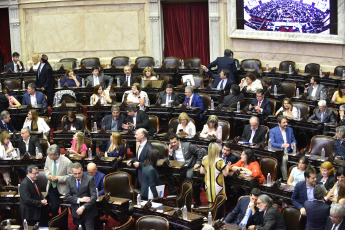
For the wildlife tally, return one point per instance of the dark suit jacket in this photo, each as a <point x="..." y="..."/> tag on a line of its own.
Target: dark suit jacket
<point x="33" y="143"/>
<point x="217" y="79"/>
<point x="41" y="100"/>
<point x="45" y="79"/>
<point x="318" y="91"/>
<point x="317" y="214"/>
<point x="30" y="201"/>
<point x="133" y="80"/>
<point x="10" y="65"/>
<point x="196" y="102"/>
<point x="108" y="120"/>
<point x="163" y="97"/>
<point x="329" y="224"/>
<point x="224" y="63"/>
<point x="299" y="195"/>
<point x="104" y="80"/>
<point x="273" y="220"/>
<point x="4" y="104"/>
<point x="329" y="183"/>
<point x="231" y="158"/>
<point x="265" y="105"/>
<point x="329" y="117"/>
<point x="142" y="158"/>
<point x="10" y="127"/>
<point x="99" y="182"/>
<point x="232" y="98"/>
<point x="142" y="120"/>
<point x="150" y="179"/>
<point x="78" y="124"/>
<point x="258" y="137"/>
<point x="87" y="188"/>
<point x="237" y="214"/>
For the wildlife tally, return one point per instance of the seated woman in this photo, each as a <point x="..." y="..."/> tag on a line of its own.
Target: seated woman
<point x="149" y="74"/>
<point x="211" y="128"/>
<point x="114" y="146"/>
<point x="326" y="175"/>
<point x="251" y="83"/>
<point x="6" y="151"/>
<point x="71" y="79"/>
<point x="150" y="175"/>
<point x="249" y="166"/>
<point x="288" y="109"/>
<point x="78" y="145"/>
<point x="35" y="123"/>
<point x="13" y="102"/>
<point x="186" y="125"/>
<point x="99" y="96"/>
<point x="72" y="123"/>
<point x="297" y="173"/>
<point x="35" y="61"/>
<point x="333" y="193"/>
<point x="136" y="96"/>
<point x="214" y="167"/>
<point x="339" y="95"/>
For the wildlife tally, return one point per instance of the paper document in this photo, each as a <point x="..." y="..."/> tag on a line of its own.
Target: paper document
<point x="160" y="191"/>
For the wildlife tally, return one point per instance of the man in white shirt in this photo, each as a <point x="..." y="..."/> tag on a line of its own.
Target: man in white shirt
<point x="34" y="97"/>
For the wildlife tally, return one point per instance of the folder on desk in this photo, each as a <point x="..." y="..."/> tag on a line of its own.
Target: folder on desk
<point x="160" y="191"/>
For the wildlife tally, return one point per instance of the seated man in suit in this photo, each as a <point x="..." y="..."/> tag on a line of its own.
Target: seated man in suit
<point x="169" y="97"/>
<point x="254" y="133"/>
<point x="128" y="77"/>
<point x="336" y="219"/>
<point x="323" y="114"/>
<point x="136" y="119"/>
<point x="282" y="136"/>
<point x="317" y="211"/>
<point x="226" y="154"/>
<point x="342" y="115"/>
<point x="234" y="95"/>
<point x="15" y="65"/>
<point x="314" y="89"/>
<point x="245" y="208"/>
<point x="28" y="143"/>
<point x="6" y="123"/>
<point x="339" y="143"/>
<point x="269" y="87"/>
<point x="97" y="175"/>
<point x="226" y="62"/>
<point x="261" y="104"/>
<point x="192" y="99"/>
<point x="223" y="80"/>
<point x="272" y="219"/>
<point x="99" y="79"/>
<point x="34" y="97"/>
<point x="115" y="120"/>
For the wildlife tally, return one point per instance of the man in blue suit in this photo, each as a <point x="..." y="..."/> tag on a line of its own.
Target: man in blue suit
<point x="192" y="99"/>
<point x="97" y="175"/>
<point x="15" y="65"/>
<point x="282" y="136"/>
<point x="226" y="154"/>
<point x="34" y="97"/>
<point x="246" y="210"/>
<point x="226" y="62"/>
<point x="223" y="80"/>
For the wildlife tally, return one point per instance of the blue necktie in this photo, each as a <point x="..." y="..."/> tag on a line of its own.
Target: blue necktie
<point x="78" y="182"/>
<point x="245" y="221"/>
<point x="169" y="99"/>
<point x="5" y="125"/>
<point x="221" y="84"/>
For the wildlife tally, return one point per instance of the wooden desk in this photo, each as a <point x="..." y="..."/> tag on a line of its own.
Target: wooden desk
<point x="116" y="207"/>
<point x="58" y="112"/>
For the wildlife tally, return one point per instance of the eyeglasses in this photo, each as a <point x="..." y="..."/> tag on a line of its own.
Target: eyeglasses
<point x="35" y="173"/>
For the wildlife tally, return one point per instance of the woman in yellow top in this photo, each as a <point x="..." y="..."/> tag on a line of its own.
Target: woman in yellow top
<point x="215" y="170"/>
<point x="339" y="95"/>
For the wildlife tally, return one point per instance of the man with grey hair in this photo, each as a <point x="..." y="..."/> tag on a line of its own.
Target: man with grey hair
<point x="28" y="143"/>
<point x="254" y="133"/>
<point x="192" y="99"/>
<point x="6" y="123"/>
<point x="317" y="211"/>
<point x="34" y="97"/>
<point x="128" y="77"/>
<point x="339" y="143"/>
<point x="273" y="219"/>
<point x="323" y="114"/>
<point x="57" y="169"/>
<point x="336" y="219"/>
<point x="114" y="120"/>
<point x="342" y="113"/>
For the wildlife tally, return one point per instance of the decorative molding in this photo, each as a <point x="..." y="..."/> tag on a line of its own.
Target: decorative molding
<point x="14" y="25"/>
<point x="213" y="15"/>
<point x="214" y="18"/>
<point x="154" y="18"/>
<point x="156" y="31"/>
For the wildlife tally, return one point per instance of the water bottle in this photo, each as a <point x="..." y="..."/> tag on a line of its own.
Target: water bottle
<point x="37" y="226"/>
<point x="238" y="106"/>
<point x="269" y="179"/>
<point x="321" y="95"/>
<point x="290" y="69"/>
<point x="80" y="227"/>
<point x="0" y="87"/>
<point x="297" y="92"/>
<point x="89" y="155"/>
<point x="23" y="85"/>
<point x="275" y="91"/>
<point x="95" y="126"/>
<point x="25" y="225"/>
<point x="8" y="224"/>
<point x="269" y="145"/>
<point x="321" y="73"/>
<point x="343" y="74"/>
<point x="212" y="104"/>
<point x="209" y="219"/>
<point x="18" y="189"/>
<point x="104" y="226"/>
<point x="91" y="100"/>
<point x="76" y="64"/>
<point x="294" y="151"/>
<point x="184" y="213"/>
<point x="37" y="152"/>
<point x="139" y="201"/>
<point x="82" y="82"/>
<point x="267" y="68"/>
<point x="298" y="114"/>
<point x="323" y="153"/>
<point x="55" y="101"/>
<point x="96" y="189"/>
<point x="55" y="64"/>
<point x="59" y="83"/>
<point x="129" y="62"/>
<point x="182" y="63"/>
<point x="142" y="83"/>
<point x="118" y="84"/>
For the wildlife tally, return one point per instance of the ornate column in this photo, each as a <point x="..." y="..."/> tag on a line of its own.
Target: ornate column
<point x="213" y="14"/>
<point x="156" y="30"/>
<point x="14" y="26"/>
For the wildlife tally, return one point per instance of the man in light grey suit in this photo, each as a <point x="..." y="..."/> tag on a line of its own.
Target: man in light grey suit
<point x="323" y="114"/>
<point x="315" y="88"/>
<point x="99" y="79"/>
<point x="81" y="193"/>
<point x="57" y="169"/>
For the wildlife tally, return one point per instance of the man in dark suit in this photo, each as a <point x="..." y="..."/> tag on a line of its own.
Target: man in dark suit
<point x="336" y="219"/>
<point x="136" y="119"/>
<point x="99" y="79"/>
<point x="339" y="143"/>
<point x="97" y="175"/>
<point x="269" y="86"/>
<point x="81" y="193"/>
<point x="235" y="95"/>
<point x="192" y="99"/>
<point x="254" y="133"/>
<point x="261" y="104"/>
<point x="226" y="154"/>
<point x="28" y="143"/>
<point x="45" y="78"/>
<point x="225" y="62"/>
<point x="6" y="123"/>
<point x="31" y="199"/>
<point x="145" y="145"/>
<point x="4" y="103"/>
<point x="317" y="211"/>
<point x="15" y="65"/>
<point x="323" y="114"/>
<point x="273" y="219"/>
<point x="115" y="120"/>
<point x="169" y="97"/>
<point x="128" y="77"/>
<point x="34" y="97"/>
<point x="221" y="81"/>
<point x="314" y="89"/>
<point x="245" y="208"/>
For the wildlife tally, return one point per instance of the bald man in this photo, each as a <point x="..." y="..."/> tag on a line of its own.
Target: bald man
<point x="98" y="176"/>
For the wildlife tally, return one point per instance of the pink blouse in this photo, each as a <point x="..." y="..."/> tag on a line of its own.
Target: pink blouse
<point x="82" y="148"/>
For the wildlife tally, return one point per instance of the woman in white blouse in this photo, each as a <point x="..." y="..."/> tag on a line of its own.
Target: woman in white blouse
<point x="251" y="83"/>
<point x="136" y="96"/>
<point x="186" y="125"/>
<point x="36" y="123"/>
<point x="100" y="95"/>
<point x="6" y="152"/>
<point x="149" y="74"/>
<point x="212" y="129"/>
<point x="288" y="109"/>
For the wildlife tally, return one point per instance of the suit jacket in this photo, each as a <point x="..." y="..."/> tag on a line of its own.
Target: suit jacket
<point x="10" y="127"/>
<point x="317" y="214"/>
<point x="4" y="104"/>
<point x="259" y="135"/>
<point x="133" y="79"/>
<point x="265" y="106"/>
<point x="217" y="79"/>
<point x="163" y="97"/>
<point x="108" y="120"/>
<point x="277" y="137"/>
<point x="329" y="224"/>
<point x="78" y="124"/>
<point x="329" y="183"/>
<point x="224" y="63"/>
<point x="237" y="214"/>
<point x="41" y="100"/>
<point x="99" y="182"/>
<point x="45" y="79"/>
<point x="328" y="118"/>
<point x="228" y="99"/>
<point x="142" y="120"/>
<point x="318" y="90"/>
<point x="192" y="154"/>
<point x="87" y="188"/>
<point x="142" y="158"/>
<point x="150" y="179"/>
<point x="104" y="80"/>
<point x="10" y="65"/>
<point x="339" y="148"/>
<point x="33" y="143"/>
<point x="30" y="201"/>
<point x="196" y="102"/>
<point x="231" y="158"/>
<point x="273" y="220"/>
<point x="299" y="195"/>
<point x="62" y="172"/>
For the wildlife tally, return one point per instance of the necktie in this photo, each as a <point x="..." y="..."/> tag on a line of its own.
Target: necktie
<point x="259" y="106"/>
<point x="221" y="84"/>
<point x="189" y="101"/>
<point x="54" y="174"/>
<point x="5" y="126"/>
<point x="78" y="183"/>
<point x="322" y="116"/>
<point x="169" y="99"/>
<point x="139" y="148"/>
<point x="39" y="71"/>
<point x="245" y="221"/>
<point x="127" y="79"/>
<point x="38" y="192"/>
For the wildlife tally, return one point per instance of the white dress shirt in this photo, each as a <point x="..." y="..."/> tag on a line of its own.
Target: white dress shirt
<point x="3" y="154"/>
<point x="313" y="92"/>
<point x="140" y="148"/>
<point x="190" y="128"/>
<point x="33" y="99"/>
<point x="179" y="154"/>
<point x="224" y="83"/>
<point x="95" y="80"/>
<point x="252" y="135"/>
<point x="284" y="135"/>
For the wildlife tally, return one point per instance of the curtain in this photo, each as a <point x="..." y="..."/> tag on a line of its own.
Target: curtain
<point x="186" y="31"/>
<point x="5" y="42"/>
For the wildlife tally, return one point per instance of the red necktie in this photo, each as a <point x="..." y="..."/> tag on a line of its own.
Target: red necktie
<point x="189" y="101"/>
<point x="38" y="192"/>
<point x="259" y="106"/>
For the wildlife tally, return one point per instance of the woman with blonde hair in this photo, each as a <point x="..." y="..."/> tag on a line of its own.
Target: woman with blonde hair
<point x="149" y="74"/>
<point x="186" y="125"/>
<point x="211" y="128"/>
<point x="326" y="175"/>
<point x="35" y="123"/>
<point x="78" y="145"/>
<point x="35" y="61"/>
<point x="215" y="170"/>
<point x="6" y="152"/>
<point x="114" y="146"/>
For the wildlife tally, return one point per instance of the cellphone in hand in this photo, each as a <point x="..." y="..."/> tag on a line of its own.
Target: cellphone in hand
<point x="181" y="130"/>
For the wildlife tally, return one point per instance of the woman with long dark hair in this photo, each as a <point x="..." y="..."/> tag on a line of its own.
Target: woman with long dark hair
<point x="150" y="175"/>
